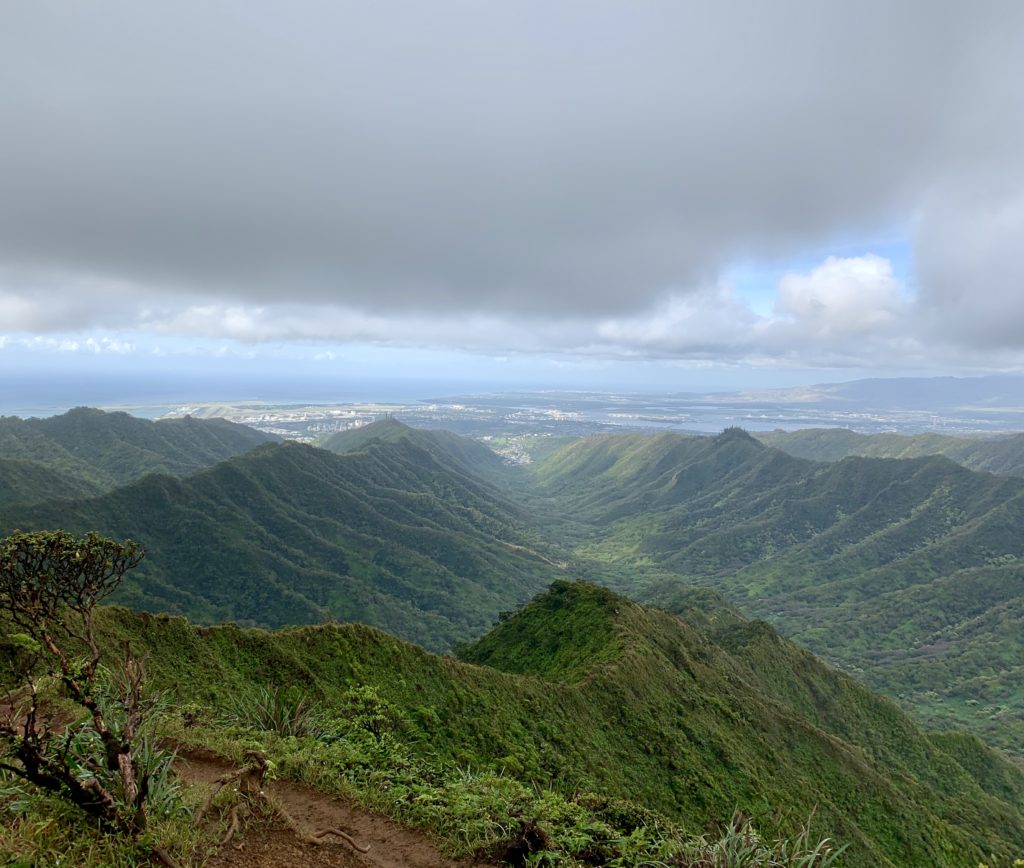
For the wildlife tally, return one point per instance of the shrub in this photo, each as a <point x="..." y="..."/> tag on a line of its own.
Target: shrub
<point x="287" y="712"/>
<point x="50" y="584"/>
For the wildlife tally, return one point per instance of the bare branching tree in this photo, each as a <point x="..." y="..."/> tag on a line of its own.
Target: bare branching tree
<point x="50" y="584"/>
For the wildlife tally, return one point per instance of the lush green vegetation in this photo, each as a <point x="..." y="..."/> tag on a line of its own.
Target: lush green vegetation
<point x="32" y="481"/>
<point x="908" y="573"/>
<point x="89" y="450"/>
<point x="1002" y="454"/>
<point x="459" y="454"/>
<point x="290" y="534"/>
<point x="673" y="728"/>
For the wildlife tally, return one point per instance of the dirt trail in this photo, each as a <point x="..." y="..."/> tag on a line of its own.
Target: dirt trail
<point x="391" y="845"/>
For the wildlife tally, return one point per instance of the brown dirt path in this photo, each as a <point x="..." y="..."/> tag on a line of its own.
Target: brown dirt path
<point x="391" y="845"/>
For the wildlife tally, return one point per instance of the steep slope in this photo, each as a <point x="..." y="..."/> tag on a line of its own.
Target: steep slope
<point x="109" y="449"/>
<point x="32" y="481"/>
<point x="1003" y="454"/>
<point x="293" y="534"/>
<point x="909" y="572"/>
<point x="669" y="716"/>
<point x="21" y="440"/>
<point x="451" y="450"/>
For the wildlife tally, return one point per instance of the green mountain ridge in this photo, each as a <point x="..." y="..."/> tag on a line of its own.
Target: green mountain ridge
<point x="1001" y="454"/>
<point x="103" y="450"/>
<point x="907" y="572"/>
<point x="291" y="534"/>
<point x="689" y="723"/>
<point x="451" y="450"/>
<point x="32" y="481"/>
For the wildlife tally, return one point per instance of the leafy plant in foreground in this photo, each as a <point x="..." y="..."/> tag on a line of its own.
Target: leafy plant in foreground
<point x="50" y="583"/>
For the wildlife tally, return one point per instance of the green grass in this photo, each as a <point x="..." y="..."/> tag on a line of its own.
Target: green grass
<point x="41" y="830"/>
<point x="669" y="729"/>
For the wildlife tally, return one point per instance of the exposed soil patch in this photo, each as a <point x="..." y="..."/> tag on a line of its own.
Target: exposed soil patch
<point x="263" y="847"/>
<point x="391" y="845"/>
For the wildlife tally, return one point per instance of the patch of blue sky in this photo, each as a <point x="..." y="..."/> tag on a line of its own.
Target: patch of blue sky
<point x="756" y="281"/>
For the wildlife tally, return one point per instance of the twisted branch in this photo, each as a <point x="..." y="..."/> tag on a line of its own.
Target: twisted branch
<point x="250" y="788"/>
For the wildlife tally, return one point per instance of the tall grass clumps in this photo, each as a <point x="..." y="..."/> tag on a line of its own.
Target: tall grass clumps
<point x="740" y="845"/>
<point x="284" y="711"/>
<point x="530" y="758"/>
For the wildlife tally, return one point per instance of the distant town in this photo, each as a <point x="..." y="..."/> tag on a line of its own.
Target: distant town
<point x="511" y="422"/>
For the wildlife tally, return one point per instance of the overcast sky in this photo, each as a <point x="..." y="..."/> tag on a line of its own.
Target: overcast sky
<point x="660" y="191"/>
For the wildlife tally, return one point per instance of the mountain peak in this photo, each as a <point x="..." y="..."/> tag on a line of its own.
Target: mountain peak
<point x="386" y="423"/>
<point x="92" y="412"/>
<point x="562" y="634"/>
<point x="450" y="449"/>
<point x="735" y="434"/>
<point x="387" y="428"/>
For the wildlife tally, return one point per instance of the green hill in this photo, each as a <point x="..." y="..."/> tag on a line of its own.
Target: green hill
<point x="1003" y="454"/>
<point x="907" y="572"/>
<point x="683" y="720"/>
<point x="291" y="534"/>
<point x="451" y="450"/>
<point x="110" y="449"/>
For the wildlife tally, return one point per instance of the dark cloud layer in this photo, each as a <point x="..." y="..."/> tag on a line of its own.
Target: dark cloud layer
<point x="579" y="160"/>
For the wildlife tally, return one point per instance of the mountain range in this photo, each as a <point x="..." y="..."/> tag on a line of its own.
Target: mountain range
<point x="86" y="451"/>
<point x="291" y="534"/>
<point x="906" y="573"/>
<point x="1002" y="454"/>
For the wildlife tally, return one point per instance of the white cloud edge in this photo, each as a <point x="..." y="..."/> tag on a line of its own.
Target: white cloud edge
<point x="844" y="312"/>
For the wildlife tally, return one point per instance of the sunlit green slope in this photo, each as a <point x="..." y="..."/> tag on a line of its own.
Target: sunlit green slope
<point x="586" y="690"/>
<point x="455" y="452"/>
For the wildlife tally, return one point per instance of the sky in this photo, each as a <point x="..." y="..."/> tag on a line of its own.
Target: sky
<point x="258" y="195"/>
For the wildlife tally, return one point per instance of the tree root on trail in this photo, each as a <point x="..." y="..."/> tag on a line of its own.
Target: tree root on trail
<point x="232" y="826"/>
<point x="250" y="787"/>
<point x="343" y="835"/>
<point x="164" y="858"/>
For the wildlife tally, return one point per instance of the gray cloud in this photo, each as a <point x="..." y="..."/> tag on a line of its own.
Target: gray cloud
<point x="587" y="161"/>
<point x="971" y="265"/>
